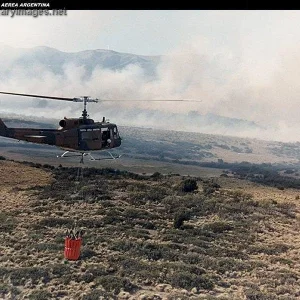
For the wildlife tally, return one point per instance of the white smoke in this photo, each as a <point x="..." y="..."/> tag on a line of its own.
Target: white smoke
<point x="226" y="85"/>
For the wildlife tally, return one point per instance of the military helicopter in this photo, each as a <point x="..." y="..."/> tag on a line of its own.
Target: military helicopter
<point x="78" y="136"/>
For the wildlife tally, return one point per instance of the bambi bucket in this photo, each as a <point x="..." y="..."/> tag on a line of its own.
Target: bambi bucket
<point x="72" y="248"/>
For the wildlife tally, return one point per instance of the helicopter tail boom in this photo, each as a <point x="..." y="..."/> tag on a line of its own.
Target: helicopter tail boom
<point x="3" y="129"/>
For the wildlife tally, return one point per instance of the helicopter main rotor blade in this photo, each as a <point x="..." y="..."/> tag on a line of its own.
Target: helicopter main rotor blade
<point x="156" y="100"/>
<point x="39" y="96"/>
<point x="87" y="99"/>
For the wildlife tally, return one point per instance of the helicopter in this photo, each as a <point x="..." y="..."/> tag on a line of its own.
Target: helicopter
<point x="79" y="136"/>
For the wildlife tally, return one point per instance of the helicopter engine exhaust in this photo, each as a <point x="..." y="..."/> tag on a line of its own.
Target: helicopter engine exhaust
<point x="62" y="123"/>
<point x="71" y="123"/>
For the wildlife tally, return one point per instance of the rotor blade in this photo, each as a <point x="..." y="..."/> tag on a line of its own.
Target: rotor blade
<point x="104" y="100"/>
<point x="158" y="100"/>
<point x="39" y="96"/>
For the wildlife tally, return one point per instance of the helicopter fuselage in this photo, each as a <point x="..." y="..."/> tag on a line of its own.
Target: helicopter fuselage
<point x="74" y="135"/>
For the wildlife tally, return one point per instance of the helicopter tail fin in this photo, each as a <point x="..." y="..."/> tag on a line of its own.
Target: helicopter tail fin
<point x="3" y="128"/>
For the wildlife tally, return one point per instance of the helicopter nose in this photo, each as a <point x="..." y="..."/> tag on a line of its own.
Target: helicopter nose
<point x="118" y="142"/>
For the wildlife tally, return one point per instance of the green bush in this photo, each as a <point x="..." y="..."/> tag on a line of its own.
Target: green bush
<point x="188" y="185"/>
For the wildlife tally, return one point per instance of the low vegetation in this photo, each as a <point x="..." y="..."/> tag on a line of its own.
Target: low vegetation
<point x="173" y="234"/>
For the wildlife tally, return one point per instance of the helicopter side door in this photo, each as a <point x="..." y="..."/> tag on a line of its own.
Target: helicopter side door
<point x="90" y="139"/>
<point x="106" y="137"/>
<point x="67" y="139"/>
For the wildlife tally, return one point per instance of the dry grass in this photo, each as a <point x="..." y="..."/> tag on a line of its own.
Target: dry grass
<point x="240" y="241"/>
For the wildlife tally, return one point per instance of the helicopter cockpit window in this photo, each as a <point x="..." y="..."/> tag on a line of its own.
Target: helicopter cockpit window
<point x="105" y="133"/>
<point x="115" y="133"/>
<point x="90" y="134"/>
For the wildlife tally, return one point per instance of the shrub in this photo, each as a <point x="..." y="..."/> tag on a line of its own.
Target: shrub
<point x="210" y="188"/>
<point x="239" y="195"/>
<point x="59" y="270"/>
<point x="255" y="293"/>
<point x="269" y="249"/>
<point x="19" y="276"/>
<point x="55" y="222"/>
<point x="188" y="185"/>
<point x="148" y="250"/>
<point x="87" y="253"/>
<point x="179" y="219"/>
<point x="218" y="226"/>
<point x="97" y="294"/>
<point x="186" y="280"/>
<point x="115" y="284"/>
<point x="207" y="190"/>
<point x="156" y="176"/>
<point x="4" y="289"/>
<point x="40" y="295"/>
<point x="7" y="223"/>
<point x="48" y="247"/>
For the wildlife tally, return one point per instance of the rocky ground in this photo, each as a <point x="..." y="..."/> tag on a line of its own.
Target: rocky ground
<point x="145" y="237"/>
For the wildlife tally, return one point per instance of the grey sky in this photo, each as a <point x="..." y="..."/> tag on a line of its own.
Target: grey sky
<point x="253" y="37"/>
<point x="152" y="32"/>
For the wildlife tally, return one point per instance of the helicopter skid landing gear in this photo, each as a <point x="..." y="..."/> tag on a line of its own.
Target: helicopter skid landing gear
<point x="65" y="154"/>
<point x="82" y="154"/>
<point x="114" y="157"/>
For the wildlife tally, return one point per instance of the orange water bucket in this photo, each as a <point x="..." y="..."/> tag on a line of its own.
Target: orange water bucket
<point x="72" y="248"/>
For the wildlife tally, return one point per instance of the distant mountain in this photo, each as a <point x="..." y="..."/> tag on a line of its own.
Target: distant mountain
<point x="55" y="60"/>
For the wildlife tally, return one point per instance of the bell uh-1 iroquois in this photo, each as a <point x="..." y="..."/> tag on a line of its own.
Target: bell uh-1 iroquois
<point x="81" y="135"/>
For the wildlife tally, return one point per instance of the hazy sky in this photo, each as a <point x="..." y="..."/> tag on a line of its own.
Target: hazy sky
<point x="154" y="32"/>
<point x="242" y="64"/>
<point x="258" y="38"/>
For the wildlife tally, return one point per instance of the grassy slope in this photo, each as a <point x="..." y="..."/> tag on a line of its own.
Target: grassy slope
<point x="239" y="240"/>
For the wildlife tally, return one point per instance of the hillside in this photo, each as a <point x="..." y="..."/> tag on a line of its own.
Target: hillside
<point x="145" y="237"/>
<point x="55" y="60"/>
